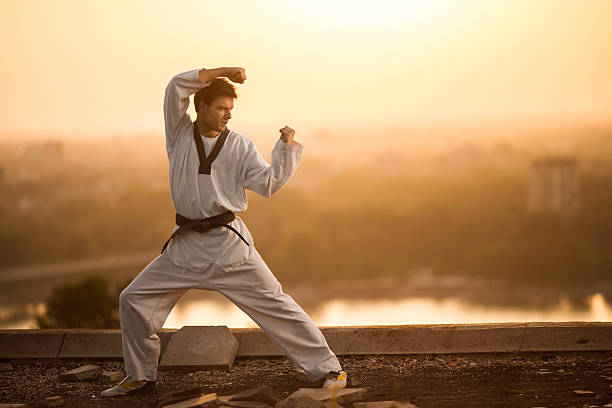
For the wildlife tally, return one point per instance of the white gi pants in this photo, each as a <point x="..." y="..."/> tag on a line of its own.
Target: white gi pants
<point x="146" y="302"/>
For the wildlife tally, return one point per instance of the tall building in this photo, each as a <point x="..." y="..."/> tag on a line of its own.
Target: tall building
<point x="554" y="185"/>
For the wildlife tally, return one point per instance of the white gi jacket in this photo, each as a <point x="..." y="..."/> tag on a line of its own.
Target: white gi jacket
<point x="237" y="167"/>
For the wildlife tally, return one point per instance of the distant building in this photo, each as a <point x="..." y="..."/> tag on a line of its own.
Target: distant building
<point x="554" y="185"/>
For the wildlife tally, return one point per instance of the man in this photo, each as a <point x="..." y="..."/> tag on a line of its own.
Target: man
<point x="210" y="248"/>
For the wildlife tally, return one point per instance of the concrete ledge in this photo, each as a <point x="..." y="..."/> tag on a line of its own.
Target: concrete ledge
<point x="371" y="340"/>
<point x="30" y="343"/>
<point x="572" y="336"/>
<point x="425" y="339"/>
<point x="86" y="343"/>
<point x="99" y="343"/>
<point x="446" y="339"/>
<point x="255" y="343"/>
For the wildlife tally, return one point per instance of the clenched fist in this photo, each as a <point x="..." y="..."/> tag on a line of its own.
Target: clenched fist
<point x="287" y="135"/>
<point x="236" y="74"/>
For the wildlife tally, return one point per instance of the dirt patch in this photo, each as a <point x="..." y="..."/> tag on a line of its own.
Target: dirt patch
<point x="502" y="380"/>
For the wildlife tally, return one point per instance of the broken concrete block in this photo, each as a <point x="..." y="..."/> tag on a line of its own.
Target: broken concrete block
<point x="208" y="400"/>
<point x="55" y="401"/>
<point x="341" y="395"/>
<point x="262" y="394"/>
<point x="243" y="404"/>
<point x="86" y="372"/>
<point x="111" y="377"/>
<point x="384" y="404"/>
<point x="300" y="401"/>
<point x="195" y="348"/>
<point x="187" y="398"/>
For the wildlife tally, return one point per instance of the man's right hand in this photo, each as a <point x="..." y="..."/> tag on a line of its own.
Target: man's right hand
<point x="236" y="74"/>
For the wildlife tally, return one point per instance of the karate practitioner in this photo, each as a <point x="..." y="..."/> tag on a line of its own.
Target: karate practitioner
<point x="210" y="167"/>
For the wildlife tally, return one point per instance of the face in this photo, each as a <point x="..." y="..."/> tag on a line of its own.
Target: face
<point x="217" y="115"/>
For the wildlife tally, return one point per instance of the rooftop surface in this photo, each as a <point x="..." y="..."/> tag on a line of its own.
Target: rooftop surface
<point x="566" y="364"/>
<point x="568" y="379"/>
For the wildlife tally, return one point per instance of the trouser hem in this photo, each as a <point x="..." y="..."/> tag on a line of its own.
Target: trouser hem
<point x="147" y="374"/>
<point x="331" y="363"/>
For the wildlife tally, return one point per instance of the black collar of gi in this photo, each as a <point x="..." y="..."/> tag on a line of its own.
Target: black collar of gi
<point x="206" y="162"/>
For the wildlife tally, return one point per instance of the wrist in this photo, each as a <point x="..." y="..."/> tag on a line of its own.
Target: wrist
<point x="223" y="71"/>
<point x="291" y="142"/>
<point x="210" y="74"/>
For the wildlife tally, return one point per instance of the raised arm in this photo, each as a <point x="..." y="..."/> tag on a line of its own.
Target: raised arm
<point x="266" y="179"/>
<point x="181" y="86"/>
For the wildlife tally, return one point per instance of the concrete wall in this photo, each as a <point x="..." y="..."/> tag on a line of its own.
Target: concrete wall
<point x="370" y="340"/>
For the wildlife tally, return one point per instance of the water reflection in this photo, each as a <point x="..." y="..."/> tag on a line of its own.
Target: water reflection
<point x="403" y="311"/>
<point x="210" y="308"/>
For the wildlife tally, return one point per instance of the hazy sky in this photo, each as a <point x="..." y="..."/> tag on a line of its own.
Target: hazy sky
<point x="102" y="66"/>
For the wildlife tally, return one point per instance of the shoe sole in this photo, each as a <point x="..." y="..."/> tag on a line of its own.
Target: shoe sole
<point x="148" y="388"/>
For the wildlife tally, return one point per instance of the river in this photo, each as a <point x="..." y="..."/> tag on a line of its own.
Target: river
<point x="417" y="298"/>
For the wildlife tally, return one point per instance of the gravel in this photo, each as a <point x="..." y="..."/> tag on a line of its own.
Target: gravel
<point x="523" y="380"/>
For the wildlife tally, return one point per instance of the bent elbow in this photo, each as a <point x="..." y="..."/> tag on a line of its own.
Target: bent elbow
<point x="267" y="192"/>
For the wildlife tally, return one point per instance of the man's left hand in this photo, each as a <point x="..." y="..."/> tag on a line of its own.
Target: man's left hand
<point x="287" y="135"/>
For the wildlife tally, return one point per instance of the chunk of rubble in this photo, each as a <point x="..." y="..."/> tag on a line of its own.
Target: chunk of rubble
<point x="384" y="404"/>
<point x="303" y="401"/>
<point x="208" y="400"/>
<point x="583" y="392"/>
<point x="262" y="394"/>
<point x="55" y="401"/>
<point x="242" y="404"/>
<point x="187" y="398"/>
<point x="111" y="377"/>
<point x="86" y="372"/>
<point x="339" y="395"/>
<point x="196" y="348"/>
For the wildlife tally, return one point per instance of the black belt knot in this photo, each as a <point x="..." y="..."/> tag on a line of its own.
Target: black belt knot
<point x="203" y="224"/>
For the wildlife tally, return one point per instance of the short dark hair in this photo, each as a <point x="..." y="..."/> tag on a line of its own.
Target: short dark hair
<point x="218" y="87"/>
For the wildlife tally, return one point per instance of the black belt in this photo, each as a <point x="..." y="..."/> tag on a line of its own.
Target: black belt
<point x="203" y="224"/>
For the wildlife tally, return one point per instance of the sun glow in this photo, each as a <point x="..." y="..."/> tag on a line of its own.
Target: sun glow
<point x="369" y="15"/>
<point x="431" y="61"/>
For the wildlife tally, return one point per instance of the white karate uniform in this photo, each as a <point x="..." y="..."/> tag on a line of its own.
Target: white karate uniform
<point x="217" y="259"/>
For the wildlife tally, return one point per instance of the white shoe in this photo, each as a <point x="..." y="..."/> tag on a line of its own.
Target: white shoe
<point x="335" y="379"/>
<point x="127" y="386"/>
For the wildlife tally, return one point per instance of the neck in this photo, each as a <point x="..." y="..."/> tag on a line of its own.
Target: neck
<point x="205" y="130"/>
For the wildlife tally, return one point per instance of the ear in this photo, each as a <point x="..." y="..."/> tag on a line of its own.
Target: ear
<point x="200" y="107"/>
